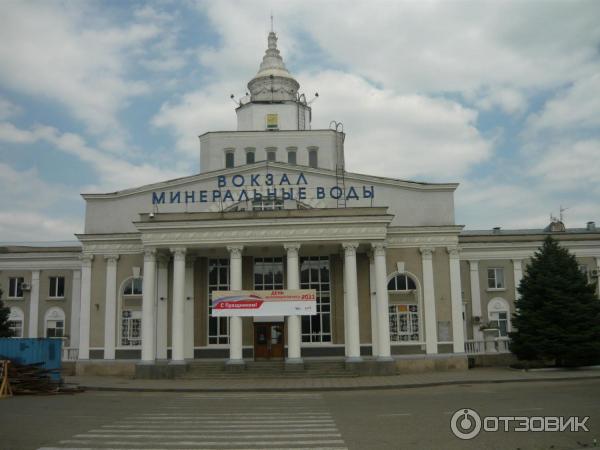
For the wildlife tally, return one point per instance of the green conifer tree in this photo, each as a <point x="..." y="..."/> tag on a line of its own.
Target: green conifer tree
<point x="558" y="314"/>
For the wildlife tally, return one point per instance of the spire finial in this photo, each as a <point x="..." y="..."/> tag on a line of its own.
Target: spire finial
<point x="272" y="29"/>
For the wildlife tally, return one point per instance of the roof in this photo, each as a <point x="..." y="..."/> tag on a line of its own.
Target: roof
<point x="282" y="165"/>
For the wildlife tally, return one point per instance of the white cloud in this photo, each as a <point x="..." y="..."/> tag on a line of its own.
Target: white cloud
<point x="511" y="101"/>
<point x="8" y="109"/>
<point x="114" y="173"/>
<point x="577" y="107"/>
<point x="74" y="56"/>
<point x="570" y="165"/>
<point x="31" y="226"/>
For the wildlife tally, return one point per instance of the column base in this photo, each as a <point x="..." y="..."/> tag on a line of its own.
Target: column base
<point x="294" y="364"/>
<point x="354" y="359"/>
<point x="235" y="365"/>
<point x="384" y="359"/>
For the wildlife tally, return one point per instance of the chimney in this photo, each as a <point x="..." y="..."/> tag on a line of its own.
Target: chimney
<point x="591" y="226"/>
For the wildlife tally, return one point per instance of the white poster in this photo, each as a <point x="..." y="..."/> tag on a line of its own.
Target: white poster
<point x="301" y="302"/>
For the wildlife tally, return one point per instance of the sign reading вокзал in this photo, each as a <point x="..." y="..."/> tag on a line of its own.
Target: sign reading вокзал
<point x="301" y="302"/>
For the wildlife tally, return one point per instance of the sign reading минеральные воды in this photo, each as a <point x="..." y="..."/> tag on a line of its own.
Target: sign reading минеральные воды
<point x="239" y="188"/>
<point x="299" y="302"/>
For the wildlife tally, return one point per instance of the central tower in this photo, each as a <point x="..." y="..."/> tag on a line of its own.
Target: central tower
<point x="274" y="103"/>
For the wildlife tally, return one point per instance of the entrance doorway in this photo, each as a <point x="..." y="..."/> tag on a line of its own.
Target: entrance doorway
<point x="268" y="340"/>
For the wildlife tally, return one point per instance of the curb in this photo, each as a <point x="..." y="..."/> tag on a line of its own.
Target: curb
<point x="336" y="388"/>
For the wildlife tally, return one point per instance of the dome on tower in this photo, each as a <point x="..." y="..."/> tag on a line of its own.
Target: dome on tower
<point x="273" y="82"/>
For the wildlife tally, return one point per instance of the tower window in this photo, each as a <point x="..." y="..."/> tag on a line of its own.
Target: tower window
<point x="313" y="159"/>
<point x="229" y="159"/>
<point x="272" y="122"/>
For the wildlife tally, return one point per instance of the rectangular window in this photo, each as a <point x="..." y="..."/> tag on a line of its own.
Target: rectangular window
<point x="500" y="318"/>
<point x="229" y="160"/>
<point x="131" y="328"/>
<point x="271" y="155"/>
<point x="315" y="274"/>
<point x="268" y="273"/>
<point x="57" y="287"/>
<point x="218" y="280"/>
<point x="312" y="159"/>
<point x="404" y="323"/>
<point x="16" y="328"/>
<point x="495" y="278"/>
<point x="55" y="328"/>
<point x="292" y="157"/>
<point x="15" y="287"/>
<point x="272" y="122"/>
<point x="249" y="158"/>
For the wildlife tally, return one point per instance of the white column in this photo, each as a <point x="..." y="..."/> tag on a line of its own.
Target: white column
<point x="177" y="327"/>
<point x="162" y="307"/>
<point x="383" y="320"/>
<point x="429" y="301"/>
<point x="188" y="351"/>
<point x="34" y="304"/>
<point x="475" y="298"/>
<point x="85" y="310"/>
<point x="374" y="317"/>
<point x="75" y="308"/>
<point x="294" y="326"/>
<point x="518" y="275"/>
<point x="148" y="301"/>
<point x="110" y="307"/>
<point x="458" y="334"/>
<point x="235" y="323"/>
<point x="351" y="302"/>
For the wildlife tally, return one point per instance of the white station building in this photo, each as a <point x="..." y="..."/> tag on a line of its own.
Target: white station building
<point x="396" y="279"/>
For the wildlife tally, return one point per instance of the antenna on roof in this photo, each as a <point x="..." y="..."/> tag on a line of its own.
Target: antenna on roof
<point x="562" y="210"/>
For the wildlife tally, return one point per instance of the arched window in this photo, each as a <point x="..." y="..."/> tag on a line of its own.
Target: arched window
<point x="404" y="309"/>
<point x="54" y="321"/>
<point x="132" y="286"/>
<point x="499" y="315"/>
<point x="401" y="283"/>
<point x="15" y="321"/>
<point x="267" y="204"/>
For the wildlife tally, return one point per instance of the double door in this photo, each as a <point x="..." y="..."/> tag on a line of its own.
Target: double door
<point x="268" y="340"/>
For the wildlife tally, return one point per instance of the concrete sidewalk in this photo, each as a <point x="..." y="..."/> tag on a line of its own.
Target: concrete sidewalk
<point x="473" y="376"/>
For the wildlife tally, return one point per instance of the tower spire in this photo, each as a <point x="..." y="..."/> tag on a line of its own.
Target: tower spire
<point x="272" y="29"/>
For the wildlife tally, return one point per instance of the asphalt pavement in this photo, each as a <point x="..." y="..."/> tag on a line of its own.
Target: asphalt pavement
<point x="416" y="418"/>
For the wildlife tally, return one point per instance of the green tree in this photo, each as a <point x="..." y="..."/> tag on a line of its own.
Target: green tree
<point x="558" y="314"/>
<point x="4" y="312"/>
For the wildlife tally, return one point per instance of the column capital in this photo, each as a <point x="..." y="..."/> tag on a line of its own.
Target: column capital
<point x="517" y="262"/>
<point x="77" y="274"/>
<point x="86" y="259"/>
<point x="235" y="251"/>
<point x="427" y="252"/>
<point x="350" y="248"/>
<point x="162" y="258"/>
<point x="379" y="248"/>
<point x="150" y="254"/>
<point x="474" y="264"/>
<point x="35" y="275"/>
<point x="179" y="252"/>
<point x="292" y="248"/>
<point x="453" y="251"/>
<point x="111" y="258"/>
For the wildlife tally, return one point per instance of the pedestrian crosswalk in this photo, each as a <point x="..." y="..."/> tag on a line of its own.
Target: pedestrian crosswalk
<point x="219" y="421"/>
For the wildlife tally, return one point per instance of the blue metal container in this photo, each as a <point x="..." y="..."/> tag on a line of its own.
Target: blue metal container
<point x="43" y="351"/>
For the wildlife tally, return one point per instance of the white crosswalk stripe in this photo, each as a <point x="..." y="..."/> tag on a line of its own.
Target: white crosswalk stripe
<point x="204" y="421"/>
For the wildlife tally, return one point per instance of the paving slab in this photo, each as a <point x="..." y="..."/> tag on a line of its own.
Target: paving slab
<point x="472" y="376"/>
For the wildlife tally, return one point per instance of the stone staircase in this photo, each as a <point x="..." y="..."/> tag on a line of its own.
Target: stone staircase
<point x="267" y="369"/>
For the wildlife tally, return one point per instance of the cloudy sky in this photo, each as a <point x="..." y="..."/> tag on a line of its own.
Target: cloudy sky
<point x="503" y="97"/>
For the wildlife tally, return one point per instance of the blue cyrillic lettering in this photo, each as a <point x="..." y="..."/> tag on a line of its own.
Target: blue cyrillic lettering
<point x="156" y="199"/>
